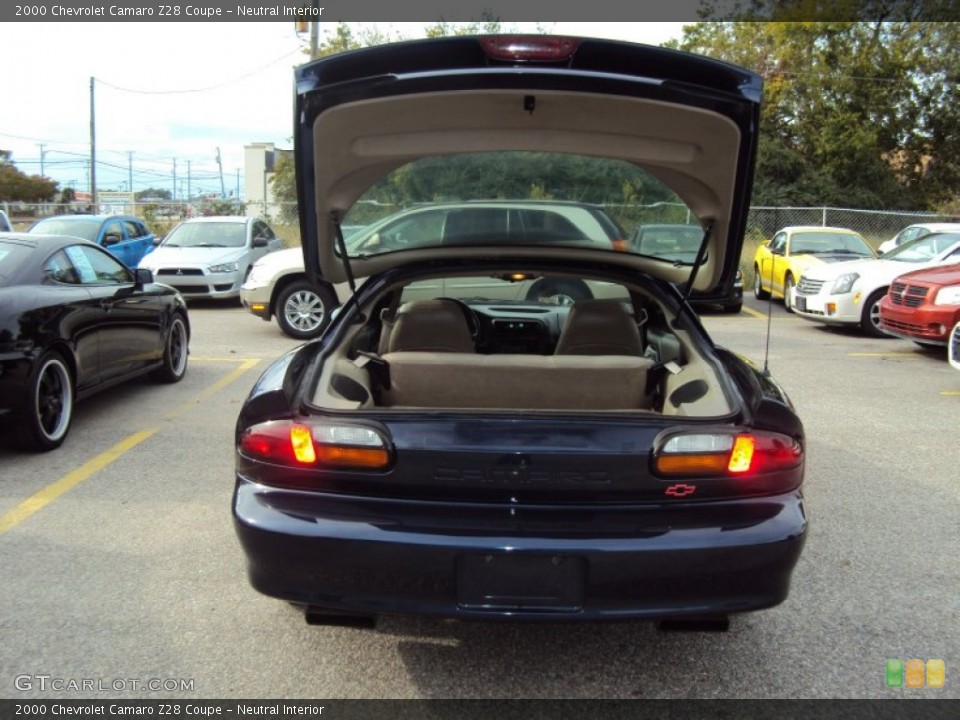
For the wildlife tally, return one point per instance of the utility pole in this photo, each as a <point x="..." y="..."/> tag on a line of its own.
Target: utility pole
<point x="174" y="179"/>
<point x="189" y="191"/>
<point x="238" y="184"/>
<point x="223" y="191"/>
<point x="42" y="153"/>
<point x="93" y="149"/>
<point x="130" y="170"/>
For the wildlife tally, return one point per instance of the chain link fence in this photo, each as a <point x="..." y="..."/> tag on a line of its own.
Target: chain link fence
<point x="875" y="225"/>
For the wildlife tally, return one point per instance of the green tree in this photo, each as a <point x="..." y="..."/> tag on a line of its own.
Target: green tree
<point x="855" y="113"/>
<point x="18" y="186"/>
<point x="153" y="194"/>
<point x="487" y="25"/>
<point x="284" y="187"/>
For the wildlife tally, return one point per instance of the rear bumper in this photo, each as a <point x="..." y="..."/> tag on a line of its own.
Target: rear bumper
<point x="531" y="563"/>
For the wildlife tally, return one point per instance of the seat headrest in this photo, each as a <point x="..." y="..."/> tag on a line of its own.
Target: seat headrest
<point x="599" y="327"/>
<point x="431" y="326"/>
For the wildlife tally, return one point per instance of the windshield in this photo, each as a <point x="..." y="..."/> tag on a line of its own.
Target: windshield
<point x="513" y="198"/>
<point x="830" y="243"/>
<point x="924" y="248"/>
<point x="75" y="227"/>
<point x="208" y="234"/>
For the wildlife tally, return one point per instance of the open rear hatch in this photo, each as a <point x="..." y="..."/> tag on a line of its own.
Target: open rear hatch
<point x="688" y="122"/>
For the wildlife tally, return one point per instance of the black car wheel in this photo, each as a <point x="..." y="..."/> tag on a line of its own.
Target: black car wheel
<point x="758" y="292"/>
<point x="175" y="353"/>
<point x="303" y="309"/>
<point x="49" y="405"/>
<point x="733" y="308"/>
<point x="559" y="292"/>
<point x="870" y="318"/>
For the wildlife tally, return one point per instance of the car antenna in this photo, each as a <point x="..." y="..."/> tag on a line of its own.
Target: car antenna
<point x="766" y="352"/>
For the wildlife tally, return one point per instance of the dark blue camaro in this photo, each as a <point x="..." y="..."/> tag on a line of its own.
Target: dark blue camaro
<point x="455" y="446"/>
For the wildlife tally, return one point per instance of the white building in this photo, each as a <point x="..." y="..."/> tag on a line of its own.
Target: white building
<point x="259" y="161"/>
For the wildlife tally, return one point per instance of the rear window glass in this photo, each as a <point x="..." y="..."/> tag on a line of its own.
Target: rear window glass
<point x="12" y="258"/>
<point x="86" y="229"/>
<point x="512" y="198"/>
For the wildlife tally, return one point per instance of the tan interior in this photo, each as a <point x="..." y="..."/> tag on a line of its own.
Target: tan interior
<point x="598" y="366"/>
<point x="537" y="382"/>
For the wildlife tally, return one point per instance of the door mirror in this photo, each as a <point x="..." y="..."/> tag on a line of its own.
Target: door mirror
<point x="261" y="241"/>
<point x="142" y="277"/>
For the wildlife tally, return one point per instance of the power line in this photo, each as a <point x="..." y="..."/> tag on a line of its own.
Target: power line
<point x="202" y="89"/>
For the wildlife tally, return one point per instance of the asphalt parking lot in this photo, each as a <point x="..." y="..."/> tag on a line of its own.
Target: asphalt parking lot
<point x="120" y="562"/>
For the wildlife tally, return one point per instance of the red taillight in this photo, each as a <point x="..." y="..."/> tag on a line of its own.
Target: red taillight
<point x="316" y="445"/>
<point x="529" y="48"/>
<point x="726" y="454"/>
<point x="620" y="245"/>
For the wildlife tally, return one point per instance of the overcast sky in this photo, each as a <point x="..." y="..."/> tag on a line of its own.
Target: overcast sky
<point x="166" y="91"/>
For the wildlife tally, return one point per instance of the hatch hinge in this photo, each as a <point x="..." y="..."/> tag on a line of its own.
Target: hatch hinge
<point x="701" y="254"/>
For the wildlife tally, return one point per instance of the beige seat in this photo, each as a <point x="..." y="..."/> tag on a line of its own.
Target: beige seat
<point x="431" y="326"/>
<point x="599" y="327"/>
<point x="521" y="382"/>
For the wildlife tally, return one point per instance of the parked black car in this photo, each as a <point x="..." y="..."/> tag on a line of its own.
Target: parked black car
<point x="520" y="459"/>
<point x="681" y="243"/>
<point x="74" y="320"/>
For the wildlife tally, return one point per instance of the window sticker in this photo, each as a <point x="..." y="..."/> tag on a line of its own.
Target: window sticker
<point x="82" y="263"/>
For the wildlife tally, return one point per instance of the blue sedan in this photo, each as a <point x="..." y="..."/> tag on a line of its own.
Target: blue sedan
<point x="125" y="237"/>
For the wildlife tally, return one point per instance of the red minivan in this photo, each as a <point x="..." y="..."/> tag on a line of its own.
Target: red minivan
<point x="923" y="305"/>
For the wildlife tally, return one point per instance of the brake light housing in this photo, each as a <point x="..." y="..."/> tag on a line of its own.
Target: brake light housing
<point x="316" y="445"/>
<point x="529" y="48"/>
<point x="725" y="454"/>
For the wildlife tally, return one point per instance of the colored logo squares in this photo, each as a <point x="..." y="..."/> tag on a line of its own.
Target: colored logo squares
<point x="914" y="673"/>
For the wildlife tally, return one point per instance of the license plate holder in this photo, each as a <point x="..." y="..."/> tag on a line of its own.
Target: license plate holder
<point x="512" y="582"/>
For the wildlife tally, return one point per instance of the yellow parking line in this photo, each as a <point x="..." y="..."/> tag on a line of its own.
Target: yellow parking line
<point x="882" y="354"/>
<point x="245" y="365"/>
<point x="754" y="313"/>
<point x="47" y="495"/>
<point x="951" y="393"/>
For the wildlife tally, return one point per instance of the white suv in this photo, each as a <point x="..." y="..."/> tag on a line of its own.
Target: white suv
<point x="278" y="284"/>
